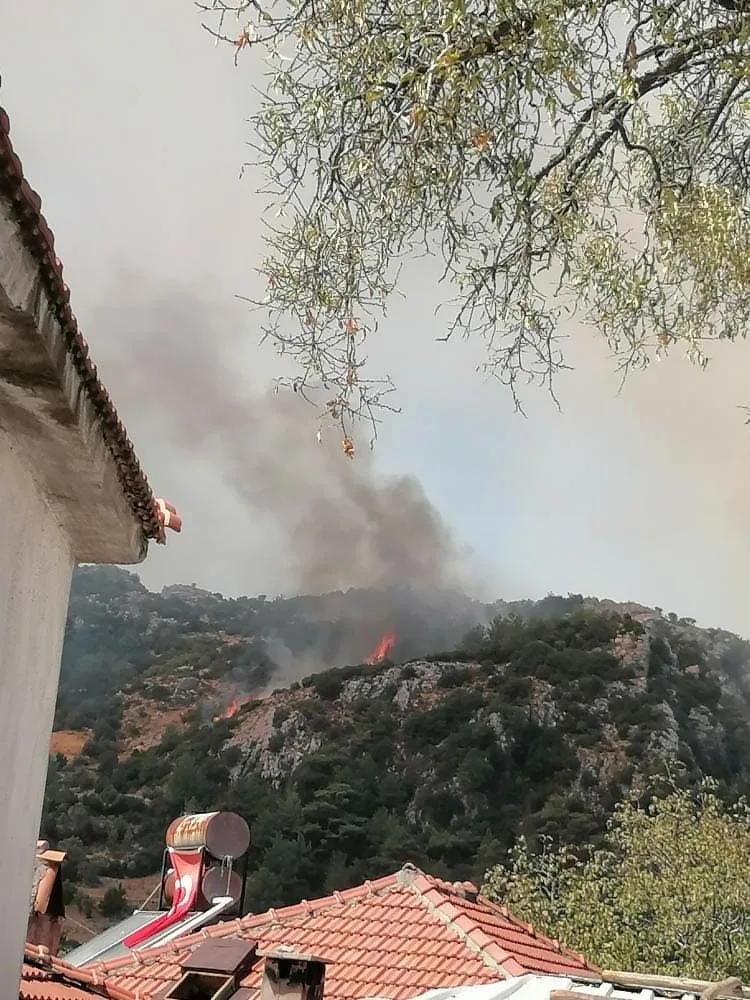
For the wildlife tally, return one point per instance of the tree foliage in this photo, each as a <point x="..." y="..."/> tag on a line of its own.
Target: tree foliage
<point x="172" y="645"/>
<point x="537" y="726"/>
<point x="666" y="894"/>
<point x="553" y="155"/>
<point x="113" y="903"/>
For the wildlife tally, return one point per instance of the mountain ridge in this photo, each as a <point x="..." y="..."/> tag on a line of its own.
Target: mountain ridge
<point x="537" y="720"/>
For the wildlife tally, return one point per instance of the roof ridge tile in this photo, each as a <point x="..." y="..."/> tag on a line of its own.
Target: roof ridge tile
<point x="405" y="913"/>
<point x="536" y="934"/>
<point x="445" y="911"/>
<point x="78" y="977"/>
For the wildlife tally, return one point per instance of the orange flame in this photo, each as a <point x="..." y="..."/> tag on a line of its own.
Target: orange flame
<point x="233" y="707"/>
<point x="383" y="648"/>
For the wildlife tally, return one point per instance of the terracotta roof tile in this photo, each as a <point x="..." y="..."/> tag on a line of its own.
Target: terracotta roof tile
<point x="25" y="204"/>
<point x="46" y="978"/>
<point x="393" y="937"/>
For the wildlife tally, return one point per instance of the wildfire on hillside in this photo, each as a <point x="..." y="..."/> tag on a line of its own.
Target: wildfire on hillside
<point x="233" y="707"/>
<point x="383" y="648"/>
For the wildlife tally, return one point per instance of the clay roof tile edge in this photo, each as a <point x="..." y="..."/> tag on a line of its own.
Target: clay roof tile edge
<point x="26" y="206"/>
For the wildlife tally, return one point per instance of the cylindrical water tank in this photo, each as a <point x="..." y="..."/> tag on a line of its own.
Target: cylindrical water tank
<point x="223" y="834"/>
<point x="169" y="885"/>
<point x="218" y="881"/>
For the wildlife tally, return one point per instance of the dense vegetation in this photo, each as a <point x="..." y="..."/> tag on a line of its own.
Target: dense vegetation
<point x="666" y="894"/>
<point x="537" y="725"/>
<point x="121" y="636"/>
<point x="550" y="157"/>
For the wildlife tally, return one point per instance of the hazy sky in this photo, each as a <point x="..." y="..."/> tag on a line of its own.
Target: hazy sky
<point x="131" y="125"/>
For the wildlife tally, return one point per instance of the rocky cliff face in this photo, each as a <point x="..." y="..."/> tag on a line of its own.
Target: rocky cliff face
<point x="654" y="708"/>
<point x="173" y="647"/>
<point x="537" y="723"/>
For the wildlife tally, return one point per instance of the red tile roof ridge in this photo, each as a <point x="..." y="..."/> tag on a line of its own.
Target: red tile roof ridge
<point x="423" y="883"/>
<point x="409" y="879"/>
<point x="38" y="955"/>
<point x="532" y="930"/>
<point x="37" y="952"/>
<point x="536" y="934"/>
<point x="26" y="206"/>
<point x="30" y="972"/>
<point x="501" y="962"/>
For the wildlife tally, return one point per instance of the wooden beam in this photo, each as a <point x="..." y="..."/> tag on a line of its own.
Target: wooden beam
<point x="671" y="984"/>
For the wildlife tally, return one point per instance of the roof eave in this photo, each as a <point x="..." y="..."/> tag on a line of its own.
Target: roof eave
<point x="46" y="372"/>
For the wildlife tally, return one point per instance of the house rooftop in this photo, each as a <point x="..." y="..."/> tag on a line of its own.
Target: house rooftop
<point x="50" y="390"/>
<point x="393" y="938"/>
<point x="46" y="978"/>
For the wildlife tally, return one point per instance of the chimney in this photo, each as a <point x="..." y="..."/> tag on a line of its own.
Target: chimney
<point x="291" y="976"/>
<point x="214" y="970"/>
<point x="47" y="908"/>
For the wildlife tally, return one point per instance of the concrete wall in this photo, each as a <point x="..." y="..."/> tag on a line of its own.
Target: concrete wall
<point x="50" y="418"/>
<point x="36" y="564"/>
<point x="62" y="500"/>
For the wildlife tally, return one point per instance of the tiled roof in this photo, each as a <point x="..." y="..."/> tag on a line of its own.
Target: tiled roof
<point x="393" y="938"/>
<point x="26" y="206"/>
<point x="44" y="977"/>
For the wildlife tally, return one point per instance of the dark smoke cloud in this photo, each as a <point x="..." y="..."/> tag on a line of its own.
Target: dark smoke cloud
<point x="172" y="361"/>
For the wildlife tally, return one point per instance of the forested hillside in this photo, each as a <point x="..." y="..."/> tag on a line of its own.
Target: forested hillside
<point x="538" y="723"/>
<point x="187" y="644"/>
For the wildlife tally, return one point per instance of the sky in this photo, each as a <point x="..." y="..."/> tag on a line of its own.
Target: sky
<point x="131" y="125"/>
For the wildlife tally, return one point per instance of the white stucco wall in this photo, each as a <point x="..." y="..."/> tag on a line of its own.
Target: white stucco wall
<point x="47" y="413"/>
<point x="36" y="564"/>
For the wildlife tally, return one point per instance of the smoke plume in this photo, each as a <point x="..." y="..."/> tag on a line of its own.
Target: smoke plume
<point x="342" y="525"/>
